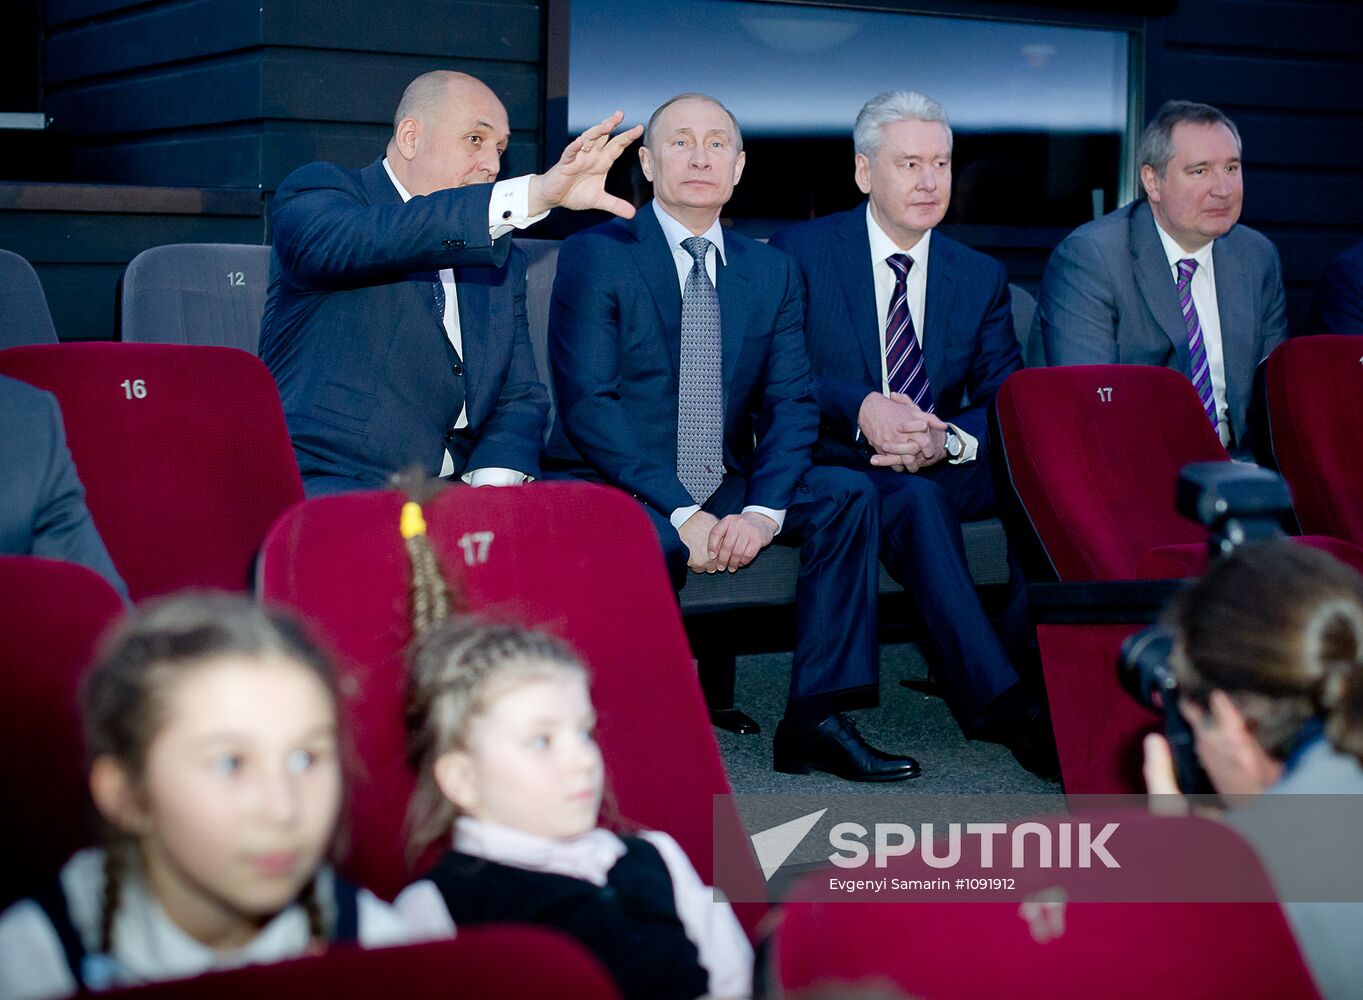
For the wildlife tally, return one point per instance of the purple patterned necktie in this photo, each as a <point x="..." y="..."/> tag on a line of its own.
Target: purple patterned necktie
<point x="1197" y="351"/>
<point x="903" y="357"/>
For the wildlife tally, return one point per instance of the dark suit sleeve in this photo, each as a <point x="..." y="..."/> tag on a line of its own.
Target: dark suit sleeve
<point x="584" y="345"/>
<point x="997" y="358"/>
<point x="1337" y="306"/>
<point x="329" y="235"/>
<point x="789" y="420"/>
<point x="838" y="398"/>
<point x="514" y="436"/>
<point x="62" y="528"/>
<point x="1076" y="309"/>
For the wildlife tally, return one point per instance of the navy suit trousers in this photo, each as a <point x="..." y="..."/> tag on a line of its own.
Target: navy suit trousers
<point x="834" y="522"/>
<point x="923" y="550"/>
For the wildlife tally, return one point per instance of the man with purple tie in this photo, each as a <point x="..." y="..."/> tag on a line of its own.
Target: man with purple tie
<point x="910" y="334"/>
<point x="1171" y="279"/>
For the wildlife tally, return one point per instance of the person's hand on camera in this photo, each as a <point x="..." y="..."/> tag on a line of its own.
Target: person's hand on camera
<point x="1160" y="781"/>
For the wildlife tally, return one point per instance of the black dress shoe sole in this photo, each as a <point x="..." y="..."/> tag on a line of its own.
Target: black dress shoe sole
<point x="801" y="767"/>
<point x="734" y="721"/>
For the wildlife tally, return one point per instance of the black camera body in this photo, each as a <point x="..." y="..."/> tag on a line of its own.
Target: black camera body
<point x="1237" y="504"/>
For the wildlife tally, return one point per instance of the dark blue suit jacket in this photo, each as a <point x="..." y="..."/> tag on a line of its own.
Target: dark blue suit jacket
<point x="1337" y="306"/>
<point x="615" y="348"/>
<point x="42" y="501"/>
<point x="369" y="381"/>
<point x="969" y="346"/>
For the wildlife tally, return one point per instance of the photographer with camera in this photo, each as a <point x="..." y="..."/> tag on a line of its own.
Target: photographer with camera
<point x="1268" y="657"/>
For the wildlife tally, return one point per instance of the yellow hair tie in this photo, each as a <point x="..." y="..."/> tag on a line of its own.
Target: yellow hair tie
<point x="413" y="523"/>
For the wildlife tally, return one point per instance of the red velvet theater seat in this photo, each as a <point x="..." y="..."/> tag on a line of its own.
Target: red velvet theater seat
<point x="1054" y="939"/>
<point x="1093" y="453"/>
<point x="507" y="962"/>
<point x="51" y="616"/>
<point x="1315" y="415"/>
<point x="578" y="560"/>
<point x="183" y="452"/>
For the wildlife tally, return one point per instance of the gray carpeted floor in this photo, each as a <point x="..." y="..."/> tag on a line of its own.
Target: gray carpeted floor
<point x="906" y="722"/>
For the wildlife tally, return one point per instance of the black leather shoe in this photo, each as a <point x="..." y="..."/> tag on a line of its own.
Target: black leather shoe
<point x="1022" y="723"/>
<point x="835" y="746"/>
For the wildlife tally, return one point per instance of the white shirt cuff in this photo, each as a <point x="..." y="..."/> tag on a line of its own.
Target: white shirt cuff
<point x="682" y="514"/>
<point x="509" y="207"/>
<point x="495" y="476"/>
<point x="779" y="516"/>
<point x="971" y="449"/>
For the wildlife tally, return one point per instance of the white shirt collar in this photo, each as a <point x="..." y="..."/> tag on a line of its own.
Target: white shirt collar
<point x="1176" y="253"/>
<point x="882" y="246"/>
<point x="676" y="232"/>
<point x="588" y="857"/>
<point x="396" y="183"/>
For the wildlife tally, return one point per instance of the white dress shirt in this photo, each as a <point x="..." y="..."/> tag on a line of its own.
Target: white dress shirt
<point x="676" y="234"/>
<point x="507" y="210"/>
<point x="916" y="284"/>
<point x="705" y="914"/>
<point x="1208" y="316"/>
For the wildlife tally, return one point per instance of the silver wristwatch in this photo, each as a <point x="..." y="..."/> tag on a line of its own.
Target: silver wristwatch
<point x="954" y="445"/>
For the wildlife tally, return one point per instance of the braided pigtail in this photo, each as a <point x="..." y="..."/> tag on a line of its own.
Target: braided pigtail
<point x="317" y="929"/>
<point x="430" y="595"/>
<point x="115" y="868"/>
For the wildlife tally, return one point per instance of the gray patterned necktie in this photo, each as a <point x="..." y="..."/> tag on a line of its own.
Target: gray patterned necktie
<point x="700" y="394"/>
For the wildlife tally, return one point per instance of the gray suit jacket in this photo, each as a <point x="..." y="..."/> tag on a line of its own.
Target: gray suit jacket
<point x="1108" y="298"/>
<point x="42" y="503"/>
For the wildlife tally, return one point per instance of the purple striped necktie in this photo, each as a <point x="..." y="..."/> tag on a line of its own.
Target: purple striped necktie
<point x="1201" y="376"/>
<point x="904" y="369"/>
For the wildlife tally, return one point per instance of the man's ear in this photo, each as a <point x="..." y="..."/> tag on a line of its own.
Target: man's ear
<point x="646" y="162"/>
<point x="738" y="165"/>
<point x="116" y="796"/>
<point x="863" y="173"/>
<point x="405" y="137"/>
<point x="455" y="776"/>
<point x="1228" y="717"/>
<point x="1150" y="181"/>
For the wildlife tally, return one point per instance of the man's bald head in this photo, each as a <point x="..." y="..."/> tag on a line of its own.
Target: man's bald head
<point x="431" y="95"/>
<point x="449" y="130"/>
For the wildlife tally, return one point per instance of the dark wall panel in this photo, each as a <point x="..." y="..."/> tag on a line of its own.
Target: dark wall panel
<point x="467" y="29"/>
<point x="313" y="85"/>
<point x="226" y="158"/>
<point x="1288" y="73"/>
<point x="60" y="12"/>
<point x="221" y="91"/>
<point x="150" y="37"/>
<point x="142" y="87"/>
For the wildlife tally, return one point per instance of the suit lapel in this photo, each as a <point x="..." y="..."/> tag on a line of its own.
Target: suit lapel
<point x="1235" y="311"/>
<point x="852" y="260"/>
<point x="1156" y="282"/>
<point x="939" y="309"/>
<point x="731" y="282"/>
<point x="653" y="257"/>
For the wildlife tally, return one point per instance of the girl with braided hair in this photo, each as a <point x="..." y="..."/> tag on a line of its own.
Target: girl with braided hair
<point x="501" y="736"/>
<point x="212" y="731"/>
